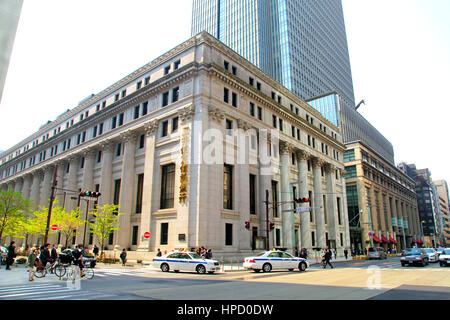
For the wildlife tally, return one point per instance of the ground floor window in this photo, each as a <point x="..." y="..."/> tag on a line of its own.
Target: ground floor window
<point x="228" y="234"/>
<point x="164" y="233"/>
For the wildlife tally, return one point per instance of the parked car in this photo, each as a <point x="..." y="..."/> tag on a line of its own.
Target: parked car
<point x="377" y="253"/>
<point x="444" y="258"/>
<point x="433" y="256"/>
<point x="270" y="260"/>
<point x="185" y="261"/>
<point x="439" y="251"/>
<point x="414" y="256"/>
<point x="89" y="260"/>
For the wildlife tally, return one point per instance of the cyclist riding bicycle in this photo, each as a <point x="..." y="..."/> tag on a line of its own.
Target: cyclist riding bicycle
<point x="45" y="255"/>
<point x="78" y="258"/>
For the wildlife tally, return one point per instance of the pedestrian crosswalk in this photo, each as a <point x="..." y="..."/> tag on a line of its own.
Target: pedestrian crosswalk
<point x="49" y="292"/>
<point x="118" y="273"/>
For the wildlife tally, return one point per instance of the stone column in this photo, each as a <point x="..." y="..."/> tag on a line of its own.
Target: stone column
<point x="46" y="186"/>
<point x="318" y="202"/>
<point x="87" y="185"/>
<point x="388" y="223"/>
<point x="18" y="185"/>
<point x="243" y="184"/>
<point x="27" y="180"/>
<point x="333" y="223"/>
<point x="287" y="213"/>
<point x="303" y="192"/>
<point x="347" y="242"/>
<point x="35" y="188"/>
<point x="127" y="187"/>
<point x="151" y="128"/>
<point x="374" y="212"/>
<point x="106" y="173"/>
<point x="72" y="184"/>
<point x="265" y="181"/>
<point x="62" y="195"/>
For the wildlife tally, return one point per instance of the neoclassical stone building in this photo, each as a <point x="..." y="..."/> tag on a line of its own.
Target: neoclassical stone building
<point x="187" y="146"/>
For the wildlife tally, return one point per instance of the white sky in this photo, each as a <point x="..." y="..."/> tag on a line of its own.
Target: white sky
<point x="399" y="52"/>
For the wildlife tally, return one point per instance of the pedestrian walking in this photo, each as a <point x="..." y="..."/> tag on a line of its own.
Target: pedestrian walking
<point x="54" y="253"/>
<point x="159" y="253"/>
<point x="78" y="258"/>
<point x="327" y="257"/>
<point x="45" y="255"/>
<point x="335" y="254"/>
<point x="123" y="256"/>
<point x="365" y="251"/>
<point x="31" y="263"/>
<point x="11" y="255"/>
<point x="346" y="254"/>
<point x="95" y="250"/>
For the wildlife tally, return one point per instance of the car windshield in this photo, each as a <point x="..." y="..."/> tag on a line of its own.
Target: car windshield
<point x="195" y="256"/>
<point x="446" y="251"/>
<point x="412" y="252"/>
<point x="260" y="254"/>
<point x="372" y="250"/>
<point x="429" y="250"/>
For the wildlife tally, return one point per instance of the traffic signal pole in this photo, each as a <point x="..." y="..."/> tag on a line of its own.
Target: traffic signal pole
<point x="267" y="221"/>
<point x="85" y="224"/>
<point x="52" y="196"/>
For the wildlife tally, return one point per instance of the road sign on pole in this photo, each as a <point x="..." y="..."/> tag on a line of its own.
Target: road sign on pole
<point x="147" y="235"/>
<point x="54" y="227"/>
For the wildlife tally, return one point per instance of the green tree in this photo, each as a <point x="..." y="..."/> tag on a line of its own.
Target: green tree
<point x="13" y="210"/>
<point x="106" y="222"/>
<point x="67" y="222"/>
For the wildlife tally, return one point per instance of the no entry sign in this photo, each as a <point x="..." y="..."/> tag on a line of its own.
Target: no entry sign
<point x="54" y="227"/>
<point x="147" y="235"/>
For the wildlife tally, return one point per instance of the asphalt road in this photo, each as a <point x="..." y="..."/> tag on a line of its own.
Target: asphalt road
<point x="357" y="280"/>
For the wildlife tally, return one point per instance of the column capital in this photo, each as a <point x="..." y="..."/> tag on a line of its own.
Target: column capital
<point x="107" y="145"/>
<point x="303" y="155"/>
<point x="342" y="172"/>
<point x="285" y="147"/>
<point x="38" y="173"/>
<point x="129" y="136"/>
<point x="216" y="114"/>
<point x="330" y="167"/>
<point x="186" y="113"/>
<point x="243" y="125"/>
<point x="74" y="157"/>
<point x="151" y="127"/>
<point x="318" y="162"/>
<point x="89" y="152"/>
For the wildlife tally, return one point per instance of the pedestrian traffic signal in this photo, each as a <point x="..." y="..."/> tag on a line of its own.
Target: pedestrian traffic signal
<point x="91" y="194"/>
<point x="247" y="225"/>
<point x="302" y="200"/>
<point x="272" y="226"/>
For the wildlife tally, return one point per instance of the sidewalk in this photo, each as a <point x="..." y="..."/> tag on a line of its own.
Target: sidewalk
<point x="18" y="275"/>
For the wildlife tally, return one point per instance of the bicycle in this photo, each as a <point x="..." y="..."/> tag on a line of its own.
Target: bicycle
<point x="88" y="273"/>
<point x="55" y="268"/>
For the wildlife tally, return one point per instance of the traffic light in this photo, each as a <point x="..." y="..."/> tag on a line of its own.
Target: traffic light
<point x="247" y="225"/>
<point x="272" y="226"/>
<point x="90" y="194"/>
<point x="302" y="200"/>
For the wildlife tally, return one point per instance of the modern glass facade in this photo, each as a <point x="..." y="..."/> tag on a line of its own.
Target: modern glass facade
<point x="300" y="43"/>
<point x="328" y="106"/>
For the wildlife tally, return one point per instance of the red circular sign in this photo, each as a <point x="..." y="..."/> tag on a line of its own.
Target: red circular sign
<point x="147" y="235"/>
<point x="54" y="227"/>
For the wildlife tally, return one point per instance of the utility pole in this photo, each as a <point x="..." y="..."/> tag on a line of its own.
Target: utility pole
<point x="55" y="182"/>
<point x="267" y="221"/>
<point x="85" y="223"/>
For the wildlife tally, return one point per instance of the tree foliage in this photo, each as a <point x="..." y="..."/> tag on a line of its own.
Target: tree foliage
<point x="13" y="210"/>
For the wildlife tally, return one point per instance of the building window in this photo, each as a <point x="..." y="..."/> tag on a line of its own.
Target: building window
<point x="228" y="234"/>
<point x="175" y="124"/>
<point x="135" y="236"/>
<point x="228" y="187"/>
<point x="251" y="81"/>
<point x="136" y="112"/>
<point x="114" y="123"/>
<point x="99" y="157"/>
<point x="144" y="108"/>
<point x="258" y="86"/>
<point x="142" y="141"/>
<point x="164" y="234"/>
<point x="116" y="198"/>
<point x="165" y="99"/>
<point x="252" y="194"/>
<point x="121" y="119"/>
<point x="226" y="65"/>
<point x="349" y="155"/>
<point x="147" y="80"/>
<point x="140" y="190"/>
<point x="313" y="239"/>
<point x="278" y="237"/>
<point x="116" y="97"/>
<point x="138" y="85"/>
<point x="82" y="163"/>
<point x="166" y="70"/>
<point x="167" y="186"/>
<point x="234" y="100"/>
<point x="226" y="93"/>
<point x="260" y="113"/>
<point x="275" y="198"/>
<point x="111" y="238"/>
<point x="234" y="70"/>
<point x="252" y="109"/>
<point x="281" y="124"/>
<point x="100" y="129"/>
<point x="350" y="172"/>
<point x="274" y="121"/>
<point x="165" y="129"/>
<point x="124" y="93"/>
<point x="339" y="210"/>
<point x="94" y="132"/>
<point x="175" y="94"/>
<point x="229" y="127"/>
<point x="119" y="149"/>
<point x="176" y="64"/>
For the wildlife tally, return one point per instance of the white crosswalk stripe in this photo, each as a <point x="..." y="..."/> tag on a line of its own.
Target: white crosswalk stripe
<point x="48" y="292"/>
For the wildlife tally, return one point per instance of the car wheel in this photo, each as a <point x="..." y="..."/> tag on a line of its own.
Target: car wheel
<point x="201" y="269"/>
<point x="441" y="264"/>
<point x="165" y="267"/>
<point x="302" y="266"/>
<point x="267" y="267"/>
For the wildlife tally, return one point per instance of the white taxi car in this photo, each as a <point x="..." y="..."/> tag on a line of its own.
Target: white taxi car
<point x="274" y="260"/>
<point x="185" y="261"/>
<point x="444" y="258"/>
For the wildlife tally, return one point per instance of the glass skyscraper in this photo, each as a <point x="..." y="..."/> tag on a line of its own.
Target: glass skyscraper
<point x="303" y="45"/>
<point x="300" y="43"/>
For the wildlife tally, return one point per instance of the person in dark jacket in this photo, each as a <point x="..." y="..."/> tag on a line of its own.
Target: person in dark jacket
<point x="327" y="258"/>
<point x="95" y="250"/>
<point x="159" y="253"/>
<point x="346" y="254"/>
<point x="45" y="256"/>
<point x="11" y="255"/>
<point x="123" y="256"/>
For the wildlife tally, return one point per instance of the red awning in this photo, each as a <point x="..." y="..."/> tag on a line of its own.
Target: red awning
<point x="376" y="239"/>
<point x="414" y="241"/>
<point x="420" y="241"/>
<point x="384" y="239"/>
<point x="392" y="239"/>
